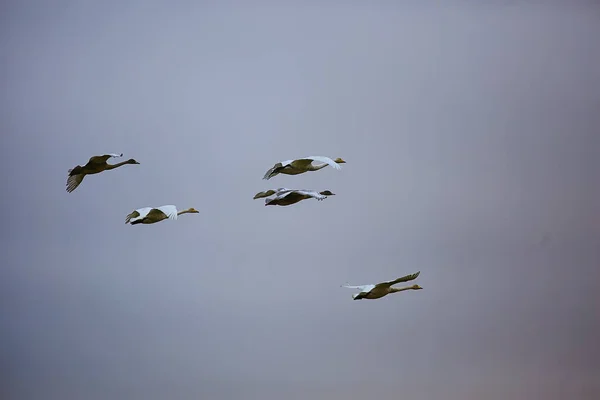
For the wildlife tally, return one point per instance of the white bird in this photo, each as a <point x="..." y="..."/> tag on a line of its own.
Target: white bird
<point x="302" y="165"/>
<point x="95" y="165"/>
<point x="286" y="197"/>
<point x="151" y="215"/>
<point x="384" y="288"/>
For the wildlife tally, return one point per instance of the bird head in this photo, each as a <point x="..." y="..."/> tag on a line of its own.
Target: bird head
<point x="193" y="210"/>
<point x="339" y="161"/>
<point x="132" y="161"/>
<point x="327" y="193"/>
<point x="416" y="287"/>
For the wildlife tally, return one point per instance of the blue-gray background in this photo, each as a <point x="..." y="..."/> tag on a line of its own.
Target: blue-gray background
<point x="472" y="138"/>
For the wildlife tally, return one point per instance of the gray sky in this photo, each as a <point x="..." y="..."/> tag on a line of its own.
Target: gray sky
<point x="471" y="135"/>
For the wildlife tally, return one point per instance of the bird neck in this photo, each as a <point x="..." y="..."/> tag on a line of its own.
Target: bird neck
<point x="117" y="165"/>
<point x="400" y="289"/>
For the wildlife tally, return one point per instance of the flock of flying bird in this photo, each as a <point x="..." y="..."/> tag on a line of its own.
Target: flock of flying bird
<point x="282" y="197"/>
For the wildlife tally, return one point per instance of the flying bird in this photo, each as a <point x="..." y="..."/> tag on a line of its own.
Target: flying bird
<point x="95" y="165"/>
<point x="302" y="165"/>
<point x="384" y="288"/>
<point x="151" y="215"/>
<point x="286" y="197"/>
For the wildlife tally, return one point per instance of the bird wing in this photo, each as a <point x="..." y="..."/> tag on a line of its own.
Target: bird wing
<point x="302" y="163"/>
<point x="300" y="192"/>
<point x="109" y="155"/>
<point x="285" y="163"/>
<point x="362" y="288"/>
<point x="130" y="216"/>
<point x="170" y="211"/>
<point x="311" y="193"/>
<point x="74" y="180"/>
<point x="281" y="193"/>
<point x="260" y="194"/>
<point x="266" y="192"/>
<point x="269" y="173"/>
<point x="140" y="213"/>
<point x="403" y="279"/>
<point x="103" y="158"/>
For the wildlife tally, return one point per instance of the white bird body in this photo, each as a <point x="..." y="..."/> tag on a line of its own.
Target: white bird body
<point x="286" y="197"/>
<point x="151" y="215"/>
<point x="95" y="165"/>
<point x="302" y="165"/>
<point x="382" y="289"/>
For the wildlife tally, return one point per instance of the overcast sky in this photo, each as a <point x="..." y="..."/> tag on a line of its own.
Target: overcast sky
<point x="471" y="135"/>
